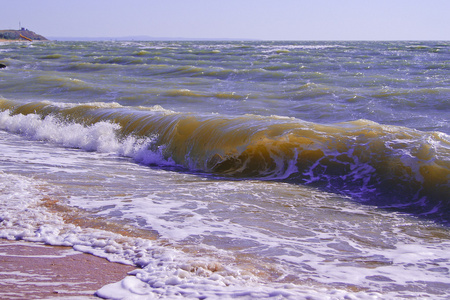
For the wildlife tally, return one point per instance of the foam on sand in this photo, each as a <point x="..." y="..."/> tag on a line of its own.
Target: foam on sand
<point x="31" y="270"/>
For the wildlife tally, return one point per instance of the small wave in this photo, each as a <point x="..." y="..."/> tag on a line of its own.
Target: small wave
<point x="119" y="60"/>
<point x="231" y="95"/>
<point x="182" y="92"/>
<point x="55" y="84"/>
<point x="52" y="56"/>
<point x="141" y="53"/>
<point x="89" y="67"/>
<point x="190" y="93"/>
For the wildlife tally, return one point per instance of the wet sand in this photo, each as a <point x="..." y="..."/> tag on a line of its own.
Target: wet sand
<point x="37" y="271"/>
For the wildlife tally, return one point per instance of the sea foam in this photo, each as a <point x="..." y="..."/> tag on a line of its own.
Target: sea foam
<point x="100" y="137"/>
<point x="166" y="272"/>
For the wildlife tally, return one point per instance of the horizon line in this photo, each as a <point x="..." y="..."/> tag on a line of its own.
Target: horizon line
<point x="144" y="38"/>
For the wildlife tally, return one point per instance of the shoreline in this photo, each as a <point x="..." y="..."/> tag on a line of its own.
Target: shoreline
<point x="36" y="271"/>
<point x="20" y="40"/>
<point x="7" y="41"/>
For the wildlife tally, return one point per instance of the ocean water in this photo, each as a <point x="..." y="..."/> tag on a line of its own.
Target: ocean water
<point x="278" y="170"/>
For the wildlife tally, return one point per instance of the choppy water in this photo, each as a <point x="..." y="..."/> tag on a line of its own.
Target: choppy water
<point x="234" y="169"/>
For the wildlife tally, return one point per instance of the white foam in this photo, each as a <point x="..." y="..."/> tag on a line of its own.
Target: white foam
<point x="167" y="272"/>
<point x="335" y="251"/>
<point x="99" y="137"/>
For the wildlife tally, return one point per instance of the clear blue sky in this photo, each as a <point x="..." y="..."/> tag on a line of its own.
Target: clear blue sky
<point x="236" y="19"/>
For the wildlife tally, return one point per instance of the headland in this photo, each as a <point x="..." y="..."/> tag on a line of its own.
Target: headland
<point x="20" y="35"/>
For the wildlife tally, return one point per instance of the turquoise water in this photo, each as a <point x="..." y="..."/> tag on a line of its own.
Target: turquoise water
<point x="272" y="169"/>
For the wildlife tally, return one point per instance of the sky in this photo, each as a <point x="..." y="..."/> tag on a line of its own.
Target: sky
<point x="233" y="19"/>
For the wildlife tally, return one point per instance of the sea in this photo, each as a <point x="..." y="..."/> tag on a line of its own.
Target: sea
<point x="234" y="169"/>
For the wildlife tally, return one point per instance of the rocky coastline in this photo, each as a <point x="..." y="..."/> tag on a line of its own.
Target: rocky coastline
<point x="20" y="35"/>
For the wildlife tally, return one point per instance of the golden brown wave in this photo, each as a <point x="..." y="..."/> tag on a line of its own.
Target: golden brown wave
<point x="385" y="165"/>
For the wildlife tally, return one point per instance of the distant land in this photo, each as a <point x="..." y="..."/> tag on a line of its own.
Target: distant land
<point x="22" y="34"/>
<point x="141" y="38"/>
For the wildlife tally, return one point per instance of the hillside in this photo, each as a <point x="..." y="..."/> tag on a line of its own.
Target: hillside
<point x="15" y="35"/>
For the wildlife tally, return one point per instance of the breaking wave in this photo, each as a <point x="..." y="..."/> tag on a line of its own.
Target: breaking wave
<point x="389" y="166"/>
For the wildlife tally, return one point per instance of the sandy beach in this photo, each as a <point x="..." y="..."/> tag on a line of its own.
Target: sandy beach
<point x="38" y="271"/>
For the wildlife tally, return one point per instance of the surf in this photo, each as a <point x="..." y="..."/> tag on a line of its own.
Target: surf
<point x="388" y="166"/>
